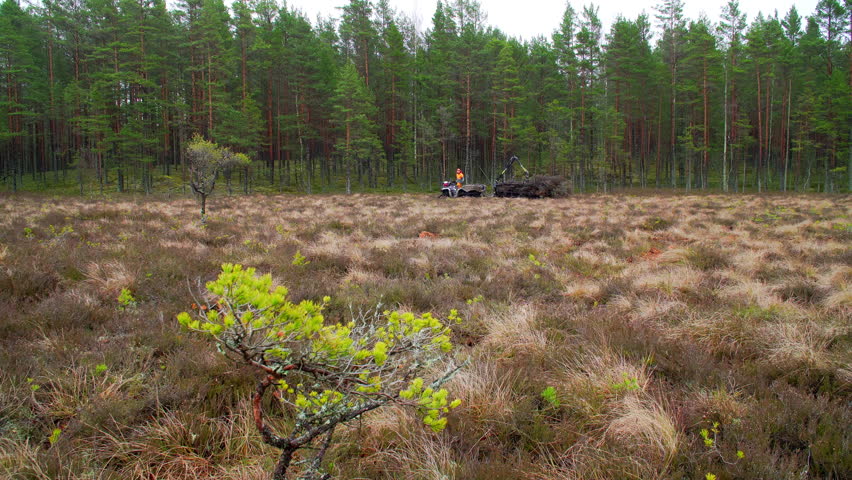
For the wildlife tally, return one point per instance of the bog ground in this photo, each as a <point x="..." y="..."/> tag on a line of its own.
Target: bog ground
<point x="610" y="336"/>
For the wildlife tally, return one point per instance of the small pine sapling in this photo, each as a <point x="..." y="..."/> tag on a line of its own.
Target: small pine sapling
<point x="324" y="374"/>
<point x="206" y="160"/>
<point x="126" y="300"/>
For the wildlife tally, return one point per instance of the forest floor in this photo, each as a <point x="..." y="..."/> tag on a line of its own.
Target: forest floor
<point x="677" y="336"/>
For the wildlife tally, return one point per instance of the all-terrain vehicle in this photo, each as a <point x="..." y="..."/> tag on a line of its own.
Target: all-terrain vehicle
<point x="449" y="189"/>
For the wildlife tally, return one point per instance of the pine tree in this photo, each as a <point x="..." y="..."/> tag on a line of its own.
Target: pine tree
<point x="670" y="16"/>
<point x="20" y="80"/>
<point x="564" y="42"/>
<point x="700" y="58"/>
<point x="397" y="63"/>
<point x="357" y="143"/>
<point x="359" y="36"/>
<point x="589" y="57"/>
<point x="731" y="29"/>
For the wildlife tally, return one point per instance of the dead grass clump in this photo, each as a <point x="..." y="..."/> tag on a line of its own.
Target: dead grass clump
<point x="584" y="290"/>
<point x="65" y="395"/>
<point x="422" y="457"/>
<point x="515" y="332"/>
<point x="723" y="405"/>
<point x="799" y="289"/>
<point x="592" y="380"/>
<point x="110" y="277"/>
<point x="76" y="308"/>
<point x="27" y="282"/>
<point x="731" y="335"/>
<point x="798" y="347"/>
<point x="840" y="298"/>
<point x="670" y="281"/>
<point x="675" y="255"/>
<point x="21" y="459"/>
<point x="655" y="224"/>
<point x="705" y="257"/>
<point x="745" y="291"/>
<point x="837" y="284"/>
<point x="369" y="448"/>
<point x="662" y="310"/>
<point x="636" y="438"/>
<point x="175" y="446"/>
<point x="647" y="431"/>
<point x="485" y="390"/>
<point x="588" y="263"/>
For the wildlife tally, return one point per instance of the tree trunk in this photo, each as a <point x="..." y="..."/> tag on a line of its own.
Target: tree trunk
<point x="759" y="160"/>
<point x="787" y="136"/>
<point x="283" y="464"/>
<point x="467" y="164"/>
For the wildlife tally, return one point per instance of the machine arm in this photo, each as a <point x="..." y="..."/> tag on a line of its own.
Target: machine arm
<point x="512" y="161"/>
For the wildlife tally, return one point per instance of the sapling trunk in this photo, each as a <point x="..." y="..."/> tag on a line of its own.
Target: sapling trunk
<point x="284" y="460"/>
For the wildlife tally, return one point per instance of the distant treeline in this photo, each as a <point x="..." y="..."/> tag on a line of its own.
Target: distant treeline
<point x="112" y="90"/>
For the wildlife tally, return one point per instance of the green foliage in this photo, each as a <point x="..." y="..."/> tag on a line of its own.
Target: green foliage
<point x="355" y="107"/>
<point x="705" y="435"/>
<point x="629" y="384"/>
<point x="126" y="301"/>
<point x="327" y="373"/>
<point x="58" y="233"/>
<point x="432" y="404"/>
<point x="299" y="259"/>
<point x="535" y="261"/>
<point x="550" y="396"/>
<point x="255" y="245"/>
<point x="54" y="436"/>
<point x="34" y="387"/>
<point x="654" y="224"/>
<point x="475" y="300"/>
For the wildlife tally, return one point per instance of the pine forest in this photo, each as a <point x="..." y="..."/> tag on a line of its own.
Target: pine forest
<point x="105" y="95"/>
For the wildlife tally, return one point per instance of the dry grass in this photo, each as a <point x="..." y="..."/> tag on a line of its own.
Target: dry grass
<point x="646" y="430"/>
<point x="650" y="317"/>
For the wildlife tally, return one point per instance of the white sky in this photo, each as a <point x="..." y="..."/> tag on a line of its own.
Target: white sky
<point x="530" y="18"/>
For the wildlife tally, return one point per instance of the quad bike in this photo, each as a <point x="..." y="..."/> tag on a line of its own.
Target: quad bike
<point x="449" y="189"/>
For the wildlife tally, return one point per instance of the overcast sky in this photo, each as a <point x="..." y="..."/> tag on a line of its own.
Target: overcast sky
<point x="530" y="18"/>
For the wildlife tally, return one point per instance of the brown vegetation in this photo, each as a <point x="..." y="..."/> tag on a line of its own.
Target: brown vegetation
<point x="653" y="318"/>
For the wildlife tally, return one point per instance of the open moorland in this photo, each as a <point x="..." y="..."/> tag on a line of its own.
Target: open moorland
<point x="609" y="336"/>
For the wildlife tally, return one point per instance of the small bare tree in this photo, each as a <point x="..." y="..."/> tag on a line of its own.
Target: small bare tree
<point x="323" y="374"/>
<point x="206" y="160"/>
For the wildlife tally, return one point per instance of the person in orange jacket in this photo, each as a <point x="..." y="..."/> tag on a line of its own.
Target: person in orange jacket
<point x="459" y="177"/>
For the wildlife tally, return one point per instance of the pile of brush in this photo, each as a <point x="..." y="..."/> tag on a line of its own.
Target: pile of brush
<point x="539" y="186"/>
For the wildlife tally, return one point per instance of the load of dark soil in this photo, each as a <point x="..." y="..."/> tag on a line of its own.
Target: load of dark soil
<point x="539" y="186"/>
